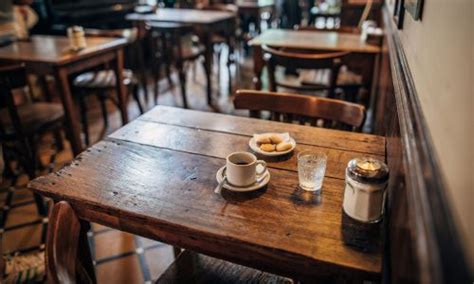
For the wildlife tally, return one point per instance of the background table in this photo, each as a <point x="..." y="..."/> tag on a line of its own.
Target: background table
<point x="51" y="55"/>
<point x="207" y="21"/>
<point x="363" y="58"/>
<point x="155" y="178"/>
<point x="255" y="8"/>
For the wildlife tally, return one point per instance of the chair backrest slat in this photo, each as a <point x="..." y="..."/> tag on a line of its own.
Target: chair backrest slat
<point x="303" y="59"/>
<point x="61" y="244"/>
<point x="305" y="108"/>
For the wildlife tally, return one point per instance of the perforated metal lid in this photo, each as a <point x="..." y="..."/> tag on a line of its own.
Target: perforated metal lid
<point x="367" y="170"/>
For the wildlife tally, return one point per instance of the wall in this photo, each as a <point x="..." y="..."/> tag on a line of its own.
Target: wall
<point x="440" y="54"/>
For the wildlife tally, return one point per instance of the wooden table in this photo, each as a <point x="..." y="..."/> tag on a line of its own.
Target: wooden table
<point x="155" y="178"/>
<point x="255" y="8"/>
<point x="208" y="22"/>
<point x="51" y="55"/>
<point x="363" y="60"/>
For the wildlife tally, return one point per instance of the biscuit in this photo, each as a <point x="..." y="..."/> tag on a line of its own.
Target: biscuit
<point x="276" y="139"/>
<point x="283" y="146"/>
<point x="267" y="147"/>
<point x="263" y="139"/>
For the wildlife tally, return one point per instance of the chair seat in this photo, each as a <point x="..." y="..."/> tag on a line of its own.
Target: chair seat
<point x="35" y="118"/>
<point x="195" y="268"/>
<point x="103" y="79"/>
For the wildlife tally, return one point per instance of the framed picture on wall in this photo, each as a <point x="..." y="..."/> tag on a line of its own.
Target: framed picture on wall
<point x="414" y="7"/>
<point x="399" y="13"/>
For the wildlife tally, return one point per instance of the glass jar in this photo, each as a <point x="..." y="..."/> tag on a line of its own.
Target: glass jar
<point x="364" y="194"/>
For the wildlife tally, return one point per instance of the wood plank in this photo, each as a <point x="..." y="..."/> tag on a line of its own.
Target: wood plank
<point x="168" y="196"/>
<point x="56" y="49"/>
<point x="342" y="140"/>
<point x="186" y="16"/>
<point x="314" y="40"/>
<point x="221" y="144"/>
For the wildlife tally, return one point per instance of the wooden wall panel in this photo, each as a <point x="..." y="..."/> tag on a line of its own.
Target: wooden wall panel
<point x="422" y="243"/>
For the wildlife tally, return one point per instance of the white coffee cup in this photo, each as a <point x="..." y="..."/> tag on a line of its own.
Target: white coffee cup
<point x="241" y="168"/>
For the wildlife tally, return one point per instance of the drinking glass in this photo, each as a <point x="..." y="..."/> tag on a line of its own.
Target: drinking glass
<point x="311" y="169"/>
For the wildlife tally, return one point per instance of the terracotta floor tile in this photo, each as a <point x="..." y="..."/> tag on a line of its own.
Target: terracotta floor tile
<point x="22" y="215"/>
<point x="98" y="228"/>
<point x="123" y="270"/>
<point x="22" y="238"/>
<point x="158" y="260"/>
<point x="145" y="243"/>
<point x="113" y="243"/>
<point x="22" y="195"/>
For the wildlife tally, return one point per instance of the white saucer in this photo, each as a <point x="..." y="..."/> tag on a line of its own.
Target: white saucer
<point x="252" y="187"/>
<point x="253" y="145"/>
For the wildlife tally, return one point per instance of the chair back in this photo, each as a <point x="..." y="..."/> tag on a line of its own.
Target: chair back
<point x="302" y="59"/>
<point x="170" y="38"/>
<point x="62" y="243"/>
<point x="303" y="109"/>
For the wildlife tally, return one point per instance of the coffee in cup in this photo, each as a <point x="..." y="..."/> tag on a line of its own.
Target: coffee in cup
<point x="241" y="168"/>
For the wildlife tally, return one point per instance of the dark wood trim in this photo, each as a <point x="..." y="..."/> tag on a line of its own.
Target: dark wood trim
<point x="418" y="208"/>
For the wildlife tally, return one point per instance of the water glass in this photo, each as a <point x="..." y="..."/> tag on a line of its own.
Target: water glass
<point x="311" y="169"/>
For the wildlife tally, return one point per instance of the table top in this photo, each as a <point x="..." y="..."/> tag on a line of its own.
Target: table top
<point x="254" y="3"/>
<point x="185" y="16"/>
<point x="314" y="40"/>
<point x="155" y="177"/>
<point x="56" y="49"/>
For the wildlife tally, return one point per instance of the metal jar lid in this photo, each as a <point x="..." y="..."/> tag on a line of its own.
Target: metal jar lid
<point x="367" y="170"/>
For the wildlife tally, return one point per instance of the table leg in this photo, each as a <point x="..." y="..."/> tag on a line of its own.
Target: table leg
<point x="84" y="251"/>
<point x="258" y="64"/>
<point x="121" y="90"/>
<point x="208" y="65"/>
<point x="73" y="128"/>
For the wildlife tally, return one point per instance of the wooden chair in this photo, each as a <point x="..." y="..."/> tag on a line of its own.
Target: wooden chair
<point x="330" y="113"/>
<point x="300" y="59"/>
<point x="220" y="39"/>
<point x="64" y="266"/>
<point x="167" y="41"/>
<point x="103" y="82"/>
<point x="22" y="125"/>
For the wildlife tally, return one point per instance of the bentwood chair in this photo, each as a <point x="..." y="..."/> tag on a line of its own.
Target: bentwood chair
<point x="299" y="59"/>
<point x="103" y="82"/>
<point x="21" y="126"/>
<point x="348" y="81"/>
<point x="329" y="113"/>
<point x="219" y="40"/>
<point x="63" y="265"/>
<point x="172" y="44"/>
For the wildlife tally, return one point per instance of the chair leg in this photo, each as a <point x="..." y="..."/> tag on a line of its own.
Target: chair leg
<point x="30" y="168"/>
<point x="103" y="109"/>
<point x="182" y="83"/>
<point x="58" y="140"/>
<point x="208" y="79"/>
<point x="156" y="79"/>
<point x="85" y="125"/>
<point x="40" y="205"/>
<point x="168" y="74"/>
<point x="230" y="61"/>
<point x="136" y="97"/>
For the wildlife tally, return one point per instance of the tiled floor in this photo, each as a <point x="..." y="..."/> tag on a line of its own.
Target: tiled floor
<point x="119" y="257"/>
